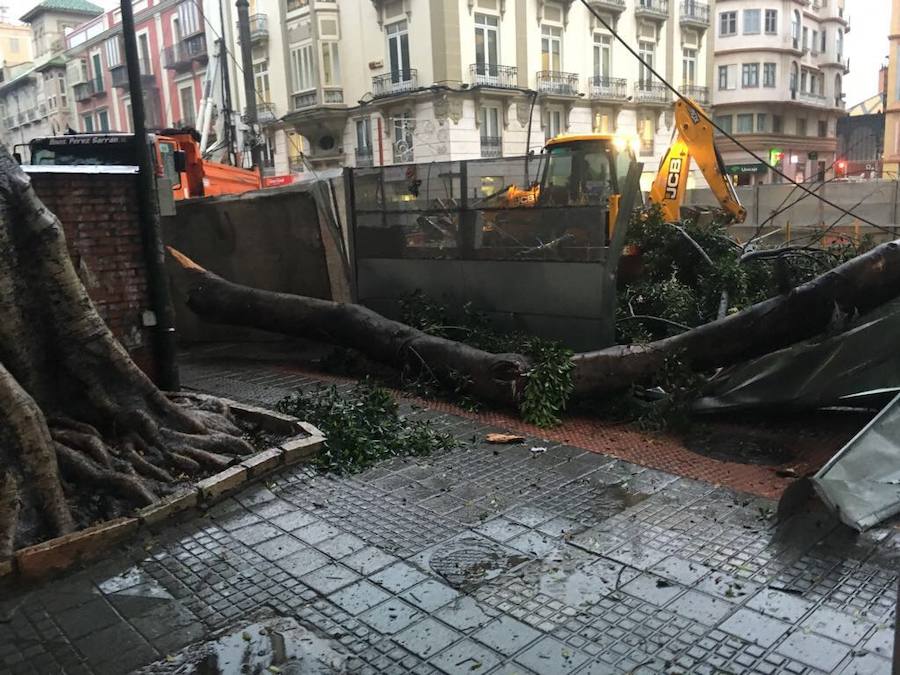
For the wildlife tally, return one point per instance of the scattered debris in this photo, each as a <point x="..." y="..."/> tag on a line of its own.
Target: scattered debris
<point x="504" y="439"/>
<point x="538" y="450"/>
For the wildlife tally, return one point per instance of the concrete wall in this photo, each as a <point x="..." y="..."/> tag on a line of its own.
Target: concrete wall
<point x="269" y="239"/>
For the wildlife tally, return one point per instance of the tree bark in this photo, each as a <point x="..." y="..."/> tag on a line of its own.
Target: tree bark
<point x="854" y="287"/>
<point x="84" y="433"/>
<point x="495" y="378"/>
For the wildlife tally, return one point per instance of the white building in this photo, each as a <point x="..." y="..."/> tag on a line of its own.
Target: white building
<point x="394" y="81"/>
<point x="779" y="66"/>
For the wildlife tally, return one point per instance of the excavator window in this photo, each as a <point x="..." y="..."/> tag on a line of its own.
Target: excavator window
<point x="168" y="156"/>
<point x="579" y="173"/>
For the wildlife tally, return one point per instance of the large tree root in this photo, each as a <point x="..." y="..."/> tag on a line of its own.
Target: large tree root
<point x="83" y="432"/>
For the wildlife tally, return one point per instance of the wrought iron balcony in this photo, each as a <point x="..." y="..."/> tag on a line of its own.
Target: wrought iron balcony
<point x="557" y="83"/>
<point x="491" y="146"/>
<point x="364" y="157"/>
<point x="259" y="28"/>
<point x="180" y="56"/>
<point x="699" y="94"/>
<point x="492" y="75"/>
<point x="83" y="90"/>
<point x="119" y="74"/>
<point x="608" y="88"/>
<point x="615" y="6"/>
<point x="652" y="9"/>
<point x="395" y="82"/>
<point x="694" y="13"/>
<point x="652" y="93"/>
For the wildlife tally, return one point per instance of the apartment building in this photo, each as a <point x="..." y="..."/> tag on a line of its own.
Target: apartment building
<point x="375" y="82"/>
<point x="779" y="68"/>
<point x="34" y="98"/>
<point x="15" y="44"/>
<point x="172" y="56"/>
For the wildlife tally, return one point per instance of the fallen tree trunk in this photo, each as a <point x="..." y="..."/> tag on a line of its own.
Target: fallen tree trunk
<point x="495" y="378"/>
<point x="860" y="284"/>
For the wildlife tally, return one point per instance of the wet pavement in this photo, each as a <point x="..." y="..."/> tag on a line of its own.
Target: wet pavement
<point x="482" y="559"/>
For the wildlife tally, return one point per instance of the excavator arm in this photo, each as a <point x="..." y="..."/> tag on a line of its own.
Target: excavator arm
<point x="693" y="139"/>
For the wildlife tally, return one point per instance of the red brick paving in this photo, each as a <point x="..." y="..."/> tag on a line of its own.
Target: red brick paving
<point x="661" y="451"/>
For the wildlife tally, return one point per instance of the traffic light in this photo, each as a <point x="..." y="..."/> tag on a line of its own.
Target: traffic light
<point x="840" y="168"/>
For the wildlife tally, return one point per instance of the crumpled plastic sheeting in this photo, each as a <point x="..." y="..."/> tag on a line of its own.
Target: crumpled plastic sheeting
<point x="862" y="481"/>
<point x="815" y="373"/>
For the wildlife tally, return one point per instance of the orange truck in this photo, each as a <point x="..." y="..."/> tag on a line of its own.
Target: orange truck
<point x="176" y="153"/>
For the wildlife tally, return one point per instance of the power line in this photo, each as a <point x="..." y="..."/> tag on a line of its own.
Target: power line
<point x="727" y="134"/>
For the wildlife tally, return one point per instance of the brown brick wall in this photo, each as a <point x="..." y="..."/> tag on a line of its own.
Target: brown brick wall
<point x="100" y="220"/>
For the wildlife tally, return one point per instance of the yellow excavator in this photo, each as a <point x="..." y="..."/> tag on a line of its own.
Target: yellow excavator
<point x="584" y="170"/>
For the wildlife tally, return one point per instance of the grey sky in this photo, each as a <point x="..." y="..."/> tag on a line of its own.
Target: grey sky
<point x="867" y="46"/>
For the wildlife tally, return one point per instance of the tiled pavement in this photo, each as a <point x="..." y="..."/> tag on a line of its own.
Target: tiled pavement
<point x="483" y="559"/>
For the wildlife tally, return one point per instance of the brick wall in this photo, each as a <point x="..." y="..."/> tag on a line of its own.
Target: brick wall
<point x="100" y="219"/>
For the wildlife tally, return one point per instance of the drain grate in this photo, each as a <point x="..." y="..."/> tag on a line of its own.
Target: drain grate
<point x="467" y="562"/>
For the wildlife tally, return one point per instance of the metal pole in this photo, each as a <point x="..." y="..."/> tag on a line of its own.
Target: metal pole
<point x="165" y="349"/>
<point x="534" y="95"/>
<point x="243" y="11"/>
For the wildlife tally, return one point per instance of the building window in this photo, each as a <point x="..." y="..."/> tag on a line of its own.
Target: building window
<point x="551" y="48"/>
<point x="127" y="121"/>
<point x="727" y="24"/>
<point x="188" y="18"/>
<point x="398" y="51"/>
<point x="97" y="66"/>
<point x="186" y="98"/>
<point x="688" y="66"/>
<point x="554" y="123"/>
<point x="776" y="124"/>
<point x="805" y="37"/>
<point x="839" y="45"/>
<point x="603" y="123"/>
<point x="771" y="21"/>
<point x="723" y="122"/>
<point x="112" y="52"/>
<point x="144" y="54"/>
<point x="63" y="88"/>
<point x="823" y="128"/>
<point x="364" y="136"/>
<point x="801" y="126"/>
<point x="303" y="73"/>
<point x="403" y="138"/>
<point x="751" y="21"/>
<point x="261" y="82"/>
<point x="824" y="43"/>
<point x="103" y="120"/>
<point x="87" y="121"/>
<point x="769" y="74"/>
<point x="762" y="122"/>
<point x="602" y="55"/>
<point x="795" y="29"/>
<point x="490" y="132"/>
<point x="331" y="64"/>
<point x="745" y="123"/>
<point x="647" y="133"/>
<point x="647" y="52"/>
<point x="487" y="48"/>
<point x="750" y="75"/>
<point x="804" y="79"/>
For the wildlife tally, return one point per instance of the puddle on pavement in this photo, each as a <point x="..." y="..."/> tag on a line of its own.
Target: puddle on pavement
<point x="466" y="563"/>
<point x="274" y="646"/>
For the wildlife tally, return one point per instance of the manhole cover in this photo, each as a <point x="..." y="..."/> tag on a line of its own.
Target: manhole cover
<point x="466" y="563"/>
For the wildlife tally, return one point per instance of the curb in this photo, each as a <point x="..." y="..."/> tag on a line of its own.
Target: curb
<point x="42" y="560"/>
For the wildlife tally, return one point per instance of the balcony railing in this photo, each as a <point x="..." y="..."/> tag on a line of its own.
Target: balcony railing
<point x="492" y="75"/>
<point x="189" y="49"/>
<point x="699" y="94"/>
<point x="653" y="93"/>
<point x="558" y="83"/>
<point x="333" y="96"/>
<point x="491" y="146"/>
<point x="608" y="88"/>
<point x="259" y="28"/>
<point x="119" y="74"/>
<point x="296" y="4"/>
<point x="694" y="13"/>
<point x="83" y="91"/>
<point x="395" y="82"/>
<point x="609" y="5"/>
<point x="305" y="99"/>
<point x="811" y="97"/>
<point x="652" y="9"/>
<point x="364" y="157"/>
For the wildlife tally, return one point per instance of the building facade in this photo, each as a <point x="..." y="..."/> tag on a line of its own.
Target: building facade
<point x="375" y="82"/>
<point x="892" y="100"/>
<point x="15" y="44"/>
<point x="35" y="99"/>
<point x="779" y="67"/>
<point x="173" y="56"/>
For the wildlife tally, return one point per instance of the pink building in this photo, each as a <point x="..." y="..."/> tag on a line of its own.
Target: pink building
<point x="172" y="48"/>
